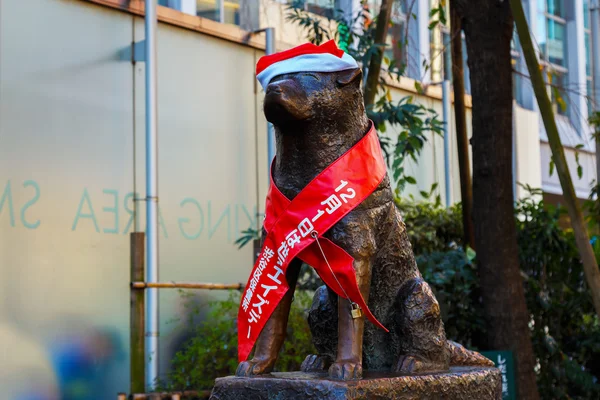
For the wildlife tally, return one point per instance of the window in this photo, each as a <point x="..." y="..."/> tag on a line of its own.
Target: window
<point x="396" y="38"/>
<point x="438" y="35"/>
<point x="515" y="58"/>
<point x="551" y="37"/>
<point x="225" y="11"/>
<point x="324" y="8"/>
<point x="466" y="73"/>
<point x="559" y="97"/>
<point x="436" y="42"/>
<point x="396" y="41"/>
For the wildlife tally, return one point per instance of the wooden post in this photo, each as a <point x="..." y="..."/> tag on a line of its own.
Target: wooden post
<point x="137" y="323"/>
<point x="383" y="21"/>
<point x="462" y="141"/>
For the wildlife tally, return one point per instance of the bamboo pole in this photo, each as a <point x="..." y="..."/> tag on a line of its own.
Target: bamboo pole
<point x="590" y="266"/>
<point x="137" y="317"/>
<point x="186" y="285"/>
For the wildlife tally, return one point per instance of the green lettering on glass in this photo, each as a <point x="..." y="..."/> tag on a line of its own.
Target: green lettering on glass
<point x="185" y="220"/>
<point x="114" y="209"/>
<point x="85" y="198"/>
<point x="7" y="197"/>
<point x="211" y="230"/>
<point x="36" y="197"/>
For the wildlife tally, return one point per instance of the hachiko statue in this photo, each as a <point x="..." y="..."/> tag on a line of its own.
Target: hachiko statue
<point x="314" y="100"/>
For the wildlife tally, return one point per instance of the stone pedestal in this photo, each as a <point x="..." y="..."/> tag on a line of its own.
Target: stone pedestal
<point x="460" y="383"/>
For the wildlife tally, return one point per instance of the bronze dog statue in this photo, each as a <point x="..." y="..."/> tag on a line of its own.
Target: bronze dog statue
<point x="317" y="117"/>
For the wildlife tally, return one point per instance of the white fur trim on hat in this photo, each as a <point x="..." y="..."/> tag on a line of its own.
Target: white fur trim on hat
<point x="323" y="62"/>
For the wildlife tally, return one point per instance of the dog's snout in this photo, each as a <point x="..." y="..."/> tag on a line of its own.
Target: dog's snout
<point x="274" y="88"/>
<point x="281" y="84"/>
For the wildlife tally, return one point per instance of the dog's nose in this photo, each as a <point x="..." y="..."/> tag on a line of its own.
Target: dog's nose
<point x="274" y="88"/>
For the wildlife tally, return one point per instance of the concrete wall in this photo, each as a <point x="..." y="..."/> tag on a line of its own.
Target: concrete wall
<point x="71" y="123"/>
<point x="528" y="153"/>
<point x="582" y="185"/>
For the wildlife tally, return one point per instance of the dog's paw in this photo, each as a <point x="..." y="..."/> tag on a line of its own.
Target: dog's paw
<point x="253" y="367"/>
<point x="412" y="365"/>
<point x="408" y="365"/>
<point x="345" y="370"/>
<point x="314" y="363"/>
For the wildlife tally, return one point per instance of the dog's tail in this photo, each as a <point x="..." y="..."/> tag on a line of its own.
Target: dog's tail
<point x="460" y="356"/>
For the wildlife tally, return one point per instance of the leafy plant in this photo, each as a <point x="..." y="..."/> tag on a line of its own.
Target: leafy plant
<point x="565" y="330"/>
<point x="453" y="277"/>
<point x="594" y="121"/>
<point x="211" y="352"/>
<point x="431" y="227"/>
<point x="247" y="236"/>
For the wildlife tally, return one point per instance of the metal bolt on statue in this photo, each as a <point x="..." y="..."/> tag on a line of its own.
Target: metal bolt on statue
<point x="330" y="205"/>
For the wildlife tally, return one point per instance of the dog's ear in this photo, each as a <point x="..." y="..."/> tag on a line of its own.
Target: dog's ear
<point x="347" y="77"/>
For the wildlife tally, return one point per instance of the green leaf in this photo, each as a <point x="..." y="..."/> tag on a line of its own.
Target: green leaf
<point x="470" y="254"/>
<point x="410" y="180"/>
<point x="579" y="171"/>
<point x="551" y="168"/>
<point x="419" y="88"/>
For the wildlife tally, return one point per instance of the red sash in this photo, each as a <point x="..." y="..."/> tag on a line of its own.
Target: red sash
<point x="331" y="195"/>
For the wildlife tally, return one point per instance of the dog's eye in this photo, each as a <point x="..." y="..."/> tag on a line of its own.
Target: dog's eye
<point x="315" y="76"/>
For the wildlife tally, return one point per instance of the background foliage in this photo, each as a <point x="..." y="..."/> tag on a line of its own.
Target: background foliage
<point x="565" y="329"/>
<point x="211" y="352"/>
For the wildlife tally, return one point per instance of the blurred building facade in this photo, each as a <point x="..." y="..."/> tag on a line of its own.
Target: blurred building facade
<point x="72" y="160"/>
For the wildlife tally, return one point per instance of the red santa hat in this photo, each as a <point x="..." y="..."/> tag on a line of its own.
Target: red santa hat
<point x="304" y="58"/>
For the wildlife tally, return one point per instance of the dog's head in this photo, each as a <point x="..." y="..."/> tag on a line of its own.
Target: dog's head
<point x="306" y="96"/>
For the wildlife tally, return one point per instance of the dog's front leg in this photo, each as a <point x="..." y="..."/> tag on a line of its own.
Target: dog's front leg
<point x="271" y="338"/>
<point x="348" y="363"/>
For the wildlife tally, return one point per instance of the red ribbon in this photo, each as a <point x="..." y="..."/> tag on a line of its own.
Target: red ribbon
<point x="330" y="196"/>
